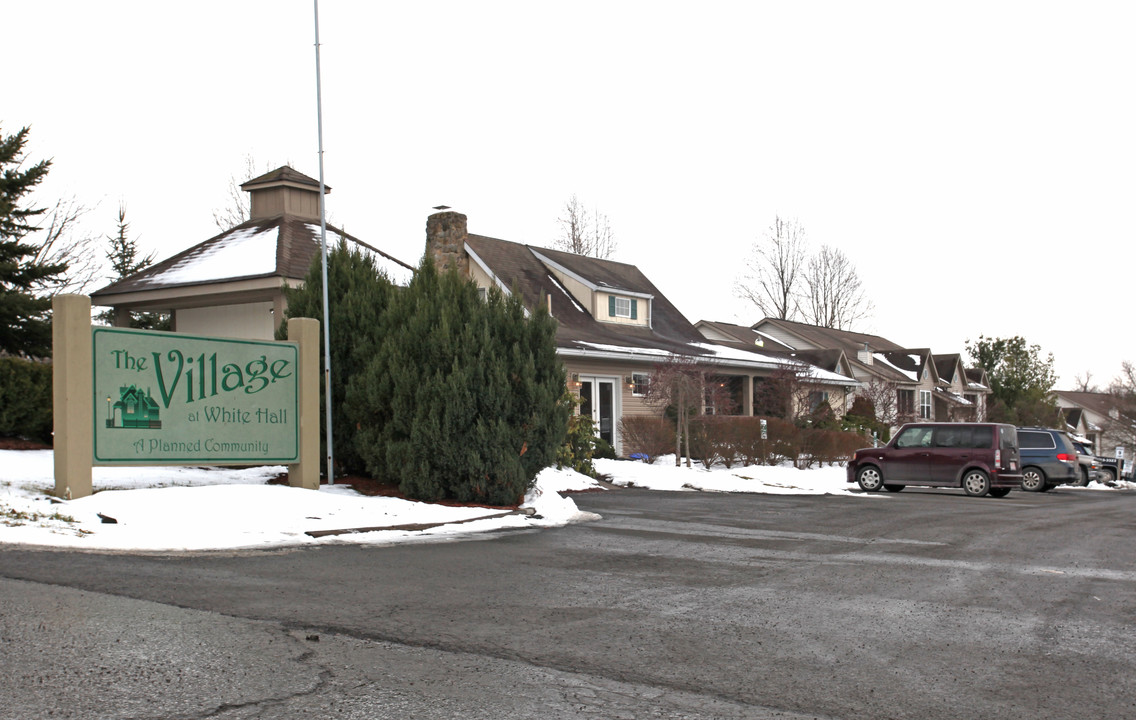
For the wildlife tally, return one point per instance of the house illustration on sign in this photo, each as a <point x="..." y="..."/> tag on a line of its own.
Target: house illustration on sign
<point x="134" y="409"/>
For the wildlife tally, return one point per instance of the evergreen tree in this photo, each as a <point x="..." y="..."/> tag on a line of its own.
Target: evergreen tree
<point x="359" y="294"/>
<point x="124" y="261"/>
<point x="463" y="399"/>
<point x="25" y="318"/>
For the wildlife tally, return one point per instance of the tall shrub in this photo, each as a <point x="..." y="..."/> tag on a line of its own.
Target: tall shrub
<point x="358" y="295"/>
<point x="462" y="399"/>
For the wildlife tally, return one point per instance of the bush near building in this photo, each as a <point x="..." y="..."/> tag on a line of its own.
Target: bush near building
<point x="25" y="399"/>
<point x="463" y="398"/>
<point x="729" y="440"/>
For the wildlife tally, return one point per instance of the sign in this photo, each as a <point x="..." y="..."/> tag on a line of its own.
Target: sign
<point x="169" y="398"/>
<point x="1120" y="452"/>
<point x="764" y="429"/>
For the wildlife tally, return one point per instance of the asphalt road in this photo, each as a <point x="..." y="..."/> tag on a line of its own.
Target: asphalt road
<point x="923" y="605"/>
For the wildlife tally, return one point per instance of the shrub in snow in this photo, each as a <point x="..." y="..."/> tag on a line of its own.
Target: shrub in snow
<point x="463" y="398"/>
<point x="358" y="295"/>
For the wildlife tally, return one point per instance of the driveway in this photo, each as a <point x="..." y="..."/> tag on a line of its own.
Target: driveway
<point x="923" y="604"/>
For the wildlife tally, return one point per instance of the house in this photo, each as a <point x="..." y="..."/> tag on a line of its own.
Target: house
<point x="231" y="284"/>
<point x="133" y="409"/>
<point x="1096" y="417"/>
<point x="614" y="325"/>
<point x="902" y="382"/>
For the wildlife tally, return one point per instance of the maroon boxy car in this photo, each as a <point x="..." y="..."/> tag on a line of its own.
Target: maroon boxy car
<point x="981" y="458"/>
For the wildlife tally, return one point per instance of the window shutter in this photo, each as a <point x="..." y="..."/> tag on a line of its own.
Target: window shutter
<point x="611" y="306"/>
<point x="634" y="309"/>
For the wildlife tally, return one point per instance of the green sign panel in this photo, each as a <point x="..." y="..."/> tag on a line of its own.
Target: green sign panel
<point x="166" y="398"/>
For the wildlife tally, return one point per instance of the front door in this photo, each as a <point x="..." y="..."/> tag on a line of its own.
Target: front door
<point x="598" y="396"/>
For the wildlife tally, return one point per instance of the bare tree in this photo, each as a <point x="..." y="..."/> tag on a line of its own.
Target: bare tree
<point x="1120" y="430"/>
<point x="678" y="384"/>
<point x="1084" y="383"/>
<point x="835" y="295"/>
<point x="236" y="208"/>
<point x="773" y="273"/>
<point x="884" y="398"/>
<point x="789" y="392"/>
<point x="584" y="233"/>
<point x="59" y="240"/>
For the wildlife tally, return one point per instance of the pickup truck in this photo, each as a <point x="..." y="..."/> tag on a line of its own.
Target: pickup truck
<point x="1096" y="467"/>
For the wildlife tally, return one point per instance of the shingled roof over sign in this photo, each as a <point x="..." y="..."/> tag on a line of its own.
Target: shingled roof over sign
<point x="282" y="246"/>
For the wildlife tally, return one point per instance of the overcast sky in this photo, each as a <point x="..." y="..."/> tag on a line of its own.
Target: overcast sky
<point x="975" y="160"/>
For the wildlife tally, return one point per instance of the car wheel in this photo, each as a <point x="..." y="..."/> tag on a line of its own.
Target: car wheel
<point x="1109" y="476"/>
<point x="976" y="483"/>
<point x="869" y="478"/>
<point x="1033" y="480"/>
<point x="999" y="492"/>
<point x="1084" y="481"/>
<point x="893" y="488"/>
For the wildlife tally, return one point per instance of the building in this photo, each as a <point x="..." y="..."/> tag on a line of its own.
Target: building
<point x="614" y="325"/>
<point x="231" y="284"/>
<point x="904" y="383"/>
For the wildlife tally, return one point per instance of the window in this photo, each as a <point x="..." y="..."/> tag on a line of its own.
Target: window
<point x="622" y="307"/>
<point x="905" y="403"/>
<point x="639" y="384"/>
<point x="817" y="398"/>
<point x="914" y="437"/>
<point x="925" y="404"/>
<point x="963" y="436"/>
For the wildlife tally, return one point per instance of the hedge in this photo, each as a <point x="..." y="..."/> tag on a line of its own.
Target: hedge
<point x="730" y="440"/>
<point x="25" y="399"/>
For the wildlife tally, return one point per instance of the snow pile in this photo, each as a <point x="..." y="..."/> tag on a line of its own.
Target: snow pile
<point x="786" y="480"/>
<point x="200" y="508"/>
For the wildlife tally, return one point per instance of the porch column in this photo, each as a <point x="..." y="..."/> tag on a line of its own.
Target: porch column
<point x="747" y="395"/>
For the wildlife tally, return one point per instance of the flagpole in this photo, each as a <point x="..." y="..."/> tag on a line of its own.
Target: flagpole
<point x="323" y="250"/>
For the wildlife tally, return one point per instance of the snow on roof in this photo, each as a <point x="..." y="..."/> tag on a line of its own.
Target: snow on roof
<point x="882" y="359"/>
<point x="724" y="353"/>
<point x="247" y="252"/>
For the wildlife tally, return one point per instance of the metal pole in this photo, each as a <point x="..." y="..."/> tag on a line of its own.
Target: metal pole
<point x="323" y="249"/>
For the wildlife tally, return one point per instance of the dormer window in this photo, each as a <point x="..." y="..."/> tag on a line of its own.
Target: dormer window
<point x="622" y="307"/>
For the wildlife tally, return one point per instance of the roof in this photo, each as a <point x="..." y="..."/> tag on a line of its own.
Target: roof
<point x="519" y="269"/>
<point x="529" y="272"/>
<point x="822" y="337"/>
<point x="1102" y="404"/>
<point x="890" y="361"/>
<point x="743" y="334"/>
<point x="280" y="246"/>
<point x="283" y="175"/>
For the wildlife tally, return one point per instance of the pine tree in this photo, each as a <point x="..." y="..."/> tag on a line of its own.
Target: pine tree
<point x="25" y="317"/>
<point x="124" y="261"/>
<point x="463" y="399"/>
<point x="358" y="295"/>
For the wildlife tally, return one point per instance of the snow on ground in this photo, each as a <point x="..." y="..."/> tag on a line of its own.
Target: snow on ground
<point x="199" y="508"/>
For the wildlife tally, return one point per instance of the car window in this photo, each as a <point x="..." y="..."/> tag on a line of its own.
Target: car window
<point x="1032" y="439"/>
<point x="914" y="437"/>
<point x="1009" y="437"/>
<point x="954" y="437"/>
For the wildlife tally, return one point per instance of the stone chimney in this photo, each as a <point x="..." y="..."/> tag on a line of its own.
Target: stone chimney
<point x="446" y="234"/>
<point x="284" y="191"/>
<point x="865" y="355"/>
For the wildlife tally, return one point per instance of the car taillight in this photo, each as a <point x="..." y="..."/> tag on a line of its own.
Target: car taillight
<point x="998" y="458"/>
<point x="1066" y="457"/>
